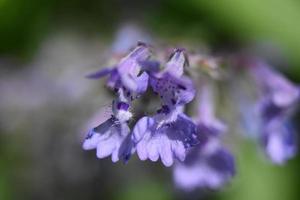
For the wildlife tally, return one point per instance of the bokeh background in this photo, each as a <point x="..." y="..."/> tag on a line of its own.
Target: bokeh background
<point x="46" y="104"/>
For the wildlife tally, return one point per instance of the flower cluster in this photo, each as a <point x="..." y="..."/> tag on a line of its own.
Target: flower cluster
<point x="191" y="142"/>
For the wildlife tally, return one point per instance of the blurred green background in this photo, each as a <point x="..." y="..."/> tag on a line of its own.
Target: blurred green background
<point x="46" y="48"/>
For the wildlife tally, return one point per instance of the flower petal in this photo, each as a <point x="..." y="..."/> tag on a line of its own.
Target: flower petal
<point x="106" y="147"/>
<point x="97" y="133"/>
<point x="142" y="83"/>
<point x="101" y="73"/>
<point x="173" y="90"/>
<point x="165" y="151"/>
<point x="279" y="141"/>
<point x="143" y="126"/>
<point x="92" y="140"/>
<point x="152" y="149"/>
<point x="150" y="66"/>
<point x="202" y="170"/>
<point x="126" y="149"/>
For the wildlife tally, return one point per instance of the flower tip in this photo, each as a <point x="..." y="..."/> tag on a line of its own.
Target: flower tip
<point x="99" y="74"/>
<point x="167" y="163"/>
<point x="86" y="145"/>
<point x="177" y="52"/>
<point x="180" y="49"/>
<point x="150" y="65"/>
<point x="141" y="43"/>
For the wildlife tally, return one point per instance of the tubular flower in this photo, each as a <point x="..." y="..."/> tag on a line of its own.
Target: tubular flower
<point x="208" y="164"/>
<point x="277" y="102"/>
<point x="169" y="132"/>
<point x="128" y="72"/>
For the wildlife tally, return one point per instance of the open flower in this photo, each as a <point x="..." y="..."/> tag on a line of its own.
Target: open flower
<point x="169" y="132"/>
<point x="168" y="141"/>
<point x="174" y="89"/>
<point x="208" y="164"/>
<point x="279" y="140"/>
<point x="110" y="138"/>
<point x="128" y="72"/>
<point x="113" y="137"/>
<point x="276" y="104"/>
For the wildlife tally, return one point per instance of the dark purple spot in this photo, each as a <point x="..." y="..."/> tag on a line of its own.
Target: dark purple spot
<point x="89" y="135"/>
<point x="140" y="43"/>
<point x="173" y="101"/>
<point x="168" y="125"/>
<point x="165" y="109"/>
<point x="122" y="106"/>
<point x="182" y="87"/>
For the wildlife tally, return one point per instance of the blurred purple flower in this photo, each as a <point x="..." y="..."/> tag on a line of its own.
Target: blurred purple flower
<point x="278" y="100"/>
<point x="279" y="141"/>
<point x="209" y="164"/>
<point x="274" y="86"/>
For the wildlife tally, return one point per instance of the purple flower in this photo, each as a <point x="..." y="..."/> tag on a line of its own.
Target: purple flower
<point x="128" y="72"/>
<point x="277" y="102"/>
<point x="113" y="137"/>
<point x="110" y="138"/>
<point x="277" y="133"/>
<point x="206" y="120"/>
<point x="210" y="166"/>
<point x="279" y="141"/>
<point x="174" y="89"/>
<point x="170" y="132"/>
<point x="207" y="164"/>
<point x="168" y="141"/>
<point x="279" y="90"/>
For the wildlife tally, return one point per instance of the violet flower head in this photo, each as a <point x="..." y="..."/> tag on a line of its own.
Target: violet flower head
<point x="113" y="136"/>
<point x="209" y="164"/>
<point x="128" y="72"/>
<point x="209" y="167"/>
<point x="279" y="141"/>
<point x="174" y="89"/>
<point x="275" y="86"/>
<point x="278" y="100"/>
<point x="194" y="146"/>
<point x="169" y="132"/>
